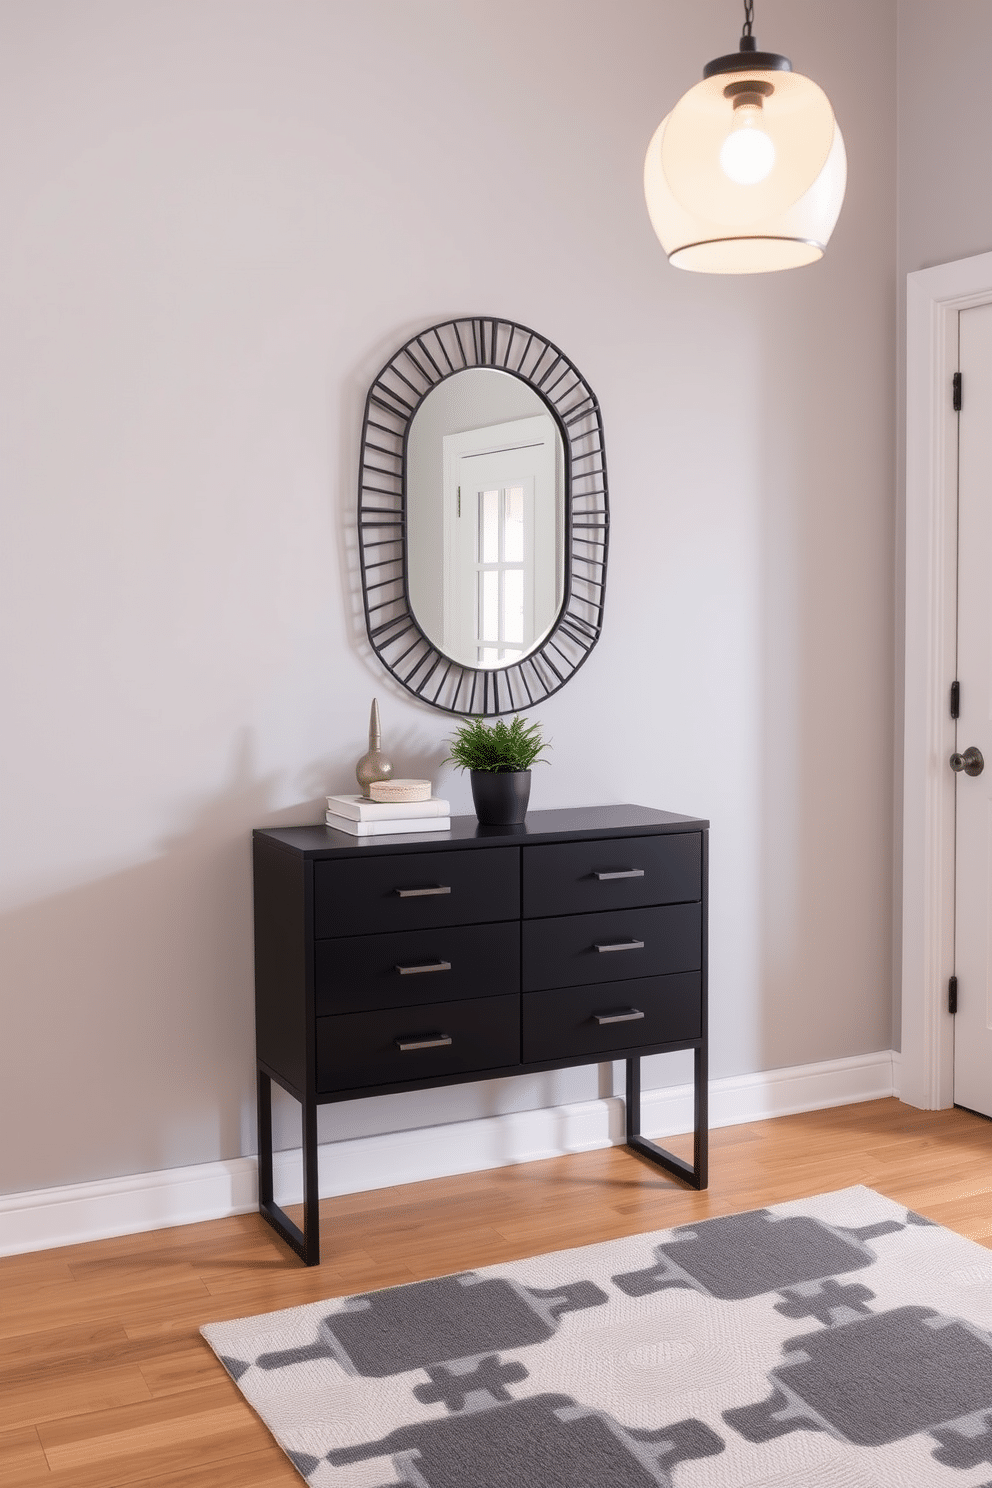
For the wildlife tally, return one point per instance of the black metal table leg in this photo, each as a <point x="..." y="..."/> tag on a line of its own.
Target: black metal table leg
<point x="694" y="1173"/>
<point x="264" y="1090"/>
<point x="311" y="1187"/>
<point x="305" y="1242"/>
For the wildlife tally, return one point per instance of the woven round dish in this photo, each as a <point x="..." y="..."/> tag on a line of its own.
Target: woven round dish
<point x="400" y="790"/>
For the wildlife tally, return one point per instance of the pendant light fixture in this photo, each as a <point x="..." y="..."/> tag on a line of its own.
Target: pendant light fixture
<point x="747" y="173"/>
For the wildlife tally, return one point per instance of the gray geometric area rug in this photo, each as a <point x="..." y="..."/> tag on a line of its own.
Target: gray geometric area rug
<point x="834" y="1342"/>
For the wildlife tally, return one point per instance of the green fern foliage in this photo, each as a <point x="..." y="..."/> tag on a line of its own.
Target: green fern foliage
<point x="478" y="745"/>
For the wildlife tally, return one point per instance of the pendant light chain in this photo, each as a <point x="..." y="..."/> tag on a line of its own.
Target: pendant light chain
<point x="748" y="18"/>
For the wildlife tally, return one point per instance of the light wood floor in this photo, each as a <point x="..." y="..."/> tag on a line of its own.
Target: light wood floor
<point x="105" y="1381"/>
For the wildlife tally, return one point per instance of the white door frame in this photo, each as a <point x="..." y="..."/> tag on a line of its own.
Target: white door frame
<point x="934" y="298"/>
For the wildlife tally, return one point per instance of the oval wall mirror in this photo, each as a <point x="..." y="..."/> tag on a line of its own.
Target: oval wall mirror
<point x="483" y="517"/>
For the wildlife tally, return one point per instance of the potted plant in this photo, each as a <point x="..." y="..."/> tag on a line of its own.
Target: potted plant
<point x="498" y="757"/>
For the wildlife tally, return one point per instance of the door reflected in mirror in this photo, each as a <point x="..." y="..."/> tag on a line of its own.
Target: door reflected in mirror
<point x="485" y="518"/>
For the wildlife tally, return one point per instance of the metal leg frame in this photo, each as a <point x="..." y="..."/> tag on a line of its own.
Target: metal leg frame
<point x="695" y="1174"/>
<point x="305" y="1242"/>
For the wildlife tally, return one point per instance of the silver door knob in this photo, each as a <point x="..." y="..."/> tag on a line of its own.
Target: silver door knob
<point x="972" y="762"/>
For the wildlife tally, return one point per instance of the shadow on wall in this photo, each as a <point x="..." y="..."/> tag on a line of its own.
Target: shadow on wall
<point x="410" y="1110"/>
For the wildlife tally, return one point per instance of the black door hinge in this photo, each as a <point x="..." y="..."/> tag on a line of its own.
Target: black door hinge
<point x="956" y="391"/>
<point x="955" y="699"/>
<point x="952" y="995"/>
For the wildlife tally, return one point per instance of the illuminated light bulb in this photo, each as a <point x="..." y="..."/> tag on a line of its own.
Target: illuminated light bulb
<point x="747" y="155"/>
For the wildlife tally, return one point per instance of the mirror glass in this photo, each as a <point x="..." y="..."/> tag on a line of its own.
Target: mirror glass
<point x="485" y="503"/>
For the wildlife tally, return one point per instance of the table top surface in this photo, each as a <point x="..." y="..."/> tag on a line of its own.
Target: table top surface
<point x="566" y="824"/>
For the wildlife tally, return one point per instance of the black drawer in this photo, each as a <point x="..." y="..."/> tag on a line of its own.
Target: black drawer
<point x="454" y="961"/>
<point x="564" y="1022"/>
<point x="358" y="1049"/>
<point x="563" y="952"/>
<point x="579" y="877"/>
<point x="369" y="895"/>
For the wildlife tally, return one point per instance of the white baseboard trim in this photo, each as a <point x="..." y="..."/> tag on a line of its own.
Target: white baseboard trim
<point x="126" y="1206"/>
<point x="49" y="1217"/>
<point x="781" y="1092"/>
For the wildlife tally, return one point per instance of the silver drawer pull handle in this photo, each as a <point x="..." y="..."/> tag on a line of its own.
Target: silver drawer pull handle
<point x="424" y="1041"/>
<point x="627" y="873"/>
<point x="628" y="1017"/>
<point x="620" y="945"/>
<point x="424" y="966"/>
<point x="423" y="893"/>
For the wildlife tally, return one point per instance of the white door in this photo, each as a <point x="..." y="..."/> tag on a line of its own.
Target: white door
<point x="502" y="569"/>
<point x="973" y="791"/>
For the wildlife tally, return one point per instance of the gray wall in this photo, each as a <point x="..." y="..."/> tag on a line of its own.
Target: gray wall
<point x="944" y="213"/>
<point x="217" y="220"/>
<point x="945" y="131"/>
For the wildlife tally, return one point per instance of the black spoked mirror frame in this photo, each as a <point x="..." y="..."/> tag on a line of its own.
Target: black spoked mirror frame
<point x="414" y="660"/>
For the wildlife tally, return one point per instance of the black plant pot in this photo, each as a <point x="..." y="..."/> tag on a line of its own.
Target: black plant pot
<point x="500" y="796"/>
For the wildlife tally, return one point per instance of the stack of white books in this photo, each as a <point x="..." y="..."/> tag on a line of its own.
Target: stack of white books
<point x="364" y="818"/>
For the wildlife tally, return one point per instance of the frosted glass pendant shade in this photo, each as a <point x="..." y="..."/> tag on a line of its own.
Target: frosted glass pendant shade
<point x="747" y="173"/>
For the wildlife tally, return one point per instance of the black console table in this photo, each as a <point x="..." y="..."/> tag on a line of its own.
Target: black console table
<point x="417" y="960"/>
